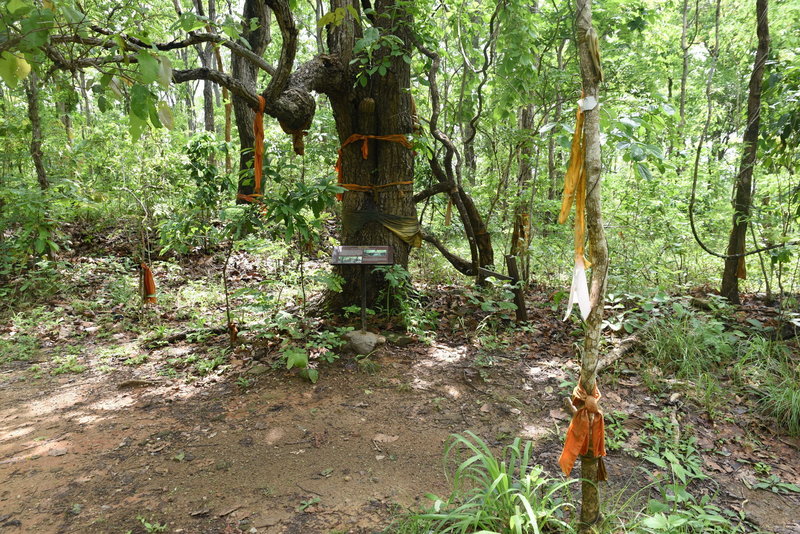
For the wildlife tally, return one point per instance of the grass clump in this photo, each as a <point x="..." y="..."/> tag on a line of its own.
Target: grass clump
<point x="494" y="494"/>
<point x="771" y="370"/>
<point x="18" y="349"/>
<point x="689" y="343"/>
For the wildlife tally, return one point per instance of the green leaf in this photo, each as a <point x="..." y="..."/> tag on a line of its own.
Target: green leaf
<point x="311" y="374"/>
<point x="140" y="100"/>
<point x="36" y="29"/>
<point x="152" y="112"/>
<point x="658" y="522"/>
<point x="371" y="35"/>
<point x="296" y="358"/>
<point x="136" y="126"/>
<point x="72" y="15"/>
<point x="164" y="72"/>
<point x="13" y="69"/>
<point x="165" y="115"/>
<point x="149" y="66"/>
<point x="190" y="22"/>
<point x="643" y="171"/>
<point x="18" y="7"/>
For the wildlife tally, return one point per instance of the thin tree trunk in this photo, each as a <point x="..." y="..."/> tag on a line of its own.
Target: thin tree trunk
<point x="32" y="93"/>
<point x="520" y="235"/>
<point x="66" y="120"/>
<point x="734" y="266"/>
<point x="590" y="494"/>
<point x="552" y="190"/>
<point x="206" y="56"/>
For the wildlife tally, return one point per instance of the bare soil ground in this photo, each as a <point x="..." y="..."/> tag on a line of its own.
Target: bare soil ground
<point x="96" y="451"/>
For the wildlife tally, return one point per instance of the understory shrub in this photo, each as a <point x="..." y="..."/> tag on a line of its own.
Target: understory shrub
<point x="689" y="343"/>
<point x="491" y="493"/>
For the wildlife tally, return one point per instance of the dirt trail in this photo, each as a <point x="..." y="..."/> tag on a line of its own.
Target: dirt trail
<point x="94" y="452"/>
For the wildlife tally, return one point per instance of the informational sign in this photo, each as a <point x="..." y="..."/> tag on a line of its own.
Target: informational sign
<point x="363" y="255"/>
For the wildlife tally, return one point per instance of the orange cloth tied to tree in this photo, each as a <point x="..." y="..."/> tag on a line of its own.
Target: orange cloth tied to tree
<point x="586" y="430"/>
<point x="394" y="138"/>
<point x="148" y="285"/>
<point x="575" y="193"/>
<point x="258" y="152"/>
<point x="258" y="149"/>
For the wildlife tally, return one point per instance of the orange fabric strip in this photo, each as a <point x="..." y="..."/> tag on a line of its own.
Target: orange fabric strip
<point x="258" y="149"/>
<point x="362" y="188"/>
<point x="587" y="422"/>
<point x="394" y="138"/>
<point x="149" y="285"/>
<point x="575" y="186"/>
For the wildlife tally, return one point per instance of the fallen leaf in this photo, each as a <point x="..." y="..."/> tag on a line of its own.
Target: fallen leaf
<point x="383" y="438"/>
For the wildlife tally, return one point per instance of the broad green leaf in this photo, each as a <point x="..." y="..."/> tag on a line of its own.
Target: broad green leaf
<point x="18" y="7"/>
<point x="658" y="521"/>
<point x="164" y="71"/>
<point x="36" y="30"/>
<point x="191" y="22"/>
<point x="643" y="171"/>
<point x="136" y="126"/>
<point x="371" y="35"/>
<point x="102" y="103"/>
<point x="312" y="375"/>
<point x="152" y="112"/>
<point x="165" y="115"/>
<point x="149" y="67"/>
<point x="140" y="99"/>
<point x="72" y="15"/>
<point x="13" y="68"/>
<point x="296" y="358"/>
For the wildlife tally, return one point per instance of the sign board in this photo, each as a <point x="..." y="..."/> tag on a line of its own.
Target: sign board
<point x="363" y="255"/>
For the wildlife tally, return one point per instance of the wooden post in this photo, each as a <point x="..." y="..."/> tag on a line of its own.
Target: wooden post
<point x="519" y="294"/>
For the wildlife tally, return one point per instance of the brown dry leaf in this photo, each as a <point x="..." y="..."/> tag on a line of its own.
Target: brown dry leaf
<point x="711" y="464"/>
<point x="383" y="438"/>
<point x="560" y="414"/>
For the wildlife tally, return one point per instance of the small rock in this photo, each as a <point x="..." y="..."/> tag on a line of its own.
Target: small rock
<point x="400" y="340"/>
<point x="258" y="370"/>
<point x="362" y="342"/>
<point x="57" y="452"/>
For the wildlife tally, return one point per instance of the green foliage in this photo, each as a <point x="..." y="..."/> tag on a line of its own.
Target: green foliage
<point x="492" y="493"/>
<point x="678" y="510"/>
<point x="19" y="348"/>
<point x="401" y="300"/>
<point x="151" y="526"/>
<point x="689" y="343"/>
<point x="770" y="369"/>
<point x="194" y="225"/>
<point x="67" y="363"/>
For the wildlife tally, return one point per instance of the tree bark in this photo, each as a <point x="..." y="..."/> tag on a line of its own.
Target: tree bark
<point x="382" y="107"/>
<point x="521" y="233"/>
<point x="247" y="72"/>
<point x="590" y="497"/>
<point x="32" y="93"/>
<point x="734" y="265"/>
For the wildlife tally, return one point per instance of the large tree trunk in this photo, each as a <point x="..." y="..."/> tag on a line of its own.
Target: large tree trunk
<point x="383" y="107"/>
<point x="734" y="266"/>
<point x="246" y="72"/>
<point x="591" y="76"/>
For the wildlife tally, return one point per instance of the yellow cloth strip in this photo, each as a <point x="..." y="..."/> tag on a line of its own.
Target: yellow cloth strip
<point x="575" y="187"/>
